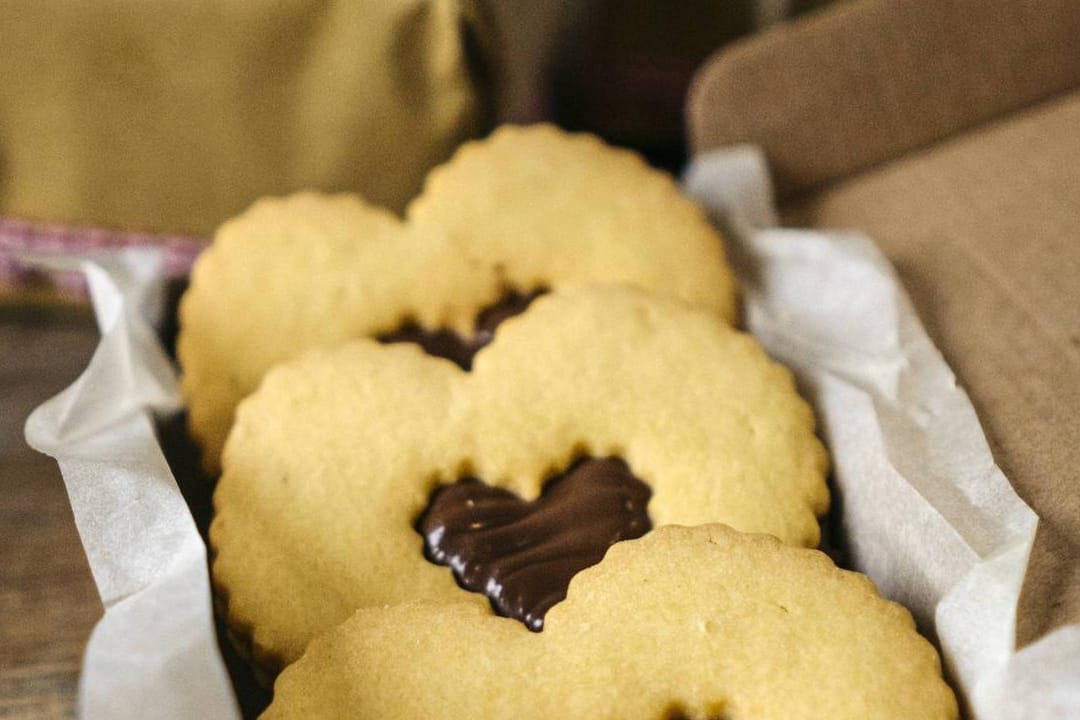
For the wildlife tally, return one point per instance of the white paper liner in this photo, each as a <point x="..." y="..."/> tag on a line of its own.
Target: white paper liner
<point x="926" y="513"/>
<point x="154" y="653"/>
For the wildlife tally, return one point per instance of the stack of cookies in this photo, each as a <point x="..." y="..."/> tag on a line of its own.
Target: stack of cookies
<point x="508" y="457"/>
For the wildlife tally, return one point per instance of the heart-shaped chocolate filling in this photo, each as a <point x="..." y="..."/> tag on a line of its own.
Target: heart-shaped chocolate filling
<point x="452" y="346"/>
<point x="521" y="554"/>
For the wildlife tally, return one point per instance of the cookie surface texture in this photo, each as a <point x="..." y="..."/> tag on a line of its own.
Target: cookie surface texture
<point x="698" y="623"/>
<point x="335" y="457"/>
<point x="527" y="208"/>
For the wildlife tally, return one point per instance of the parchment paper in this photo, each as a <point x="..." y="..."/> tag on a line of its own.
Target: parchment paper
<point x="154" y="653"/>
<point x="924" y="510"/>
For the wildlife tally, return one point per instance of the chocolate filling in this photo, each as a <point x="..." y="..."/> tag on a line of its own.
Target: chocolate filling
<point x="521" y="554"/>
<point x="452" y="346"/>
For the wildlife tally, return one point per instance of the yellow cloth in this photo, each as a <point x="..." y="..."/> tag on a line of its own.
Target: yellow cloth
<point x="164" y="115"/>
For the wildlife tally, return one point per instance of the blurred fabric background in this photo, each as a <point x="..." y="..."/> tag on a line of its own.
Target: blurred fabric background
<point x="170" y="117"/>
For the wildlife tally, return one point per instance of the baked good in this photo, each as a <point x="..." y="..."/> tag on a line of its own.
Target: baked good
<point x="333" y="461"/>
<point x="525" y="210"/>
<point x="699" y="622"/>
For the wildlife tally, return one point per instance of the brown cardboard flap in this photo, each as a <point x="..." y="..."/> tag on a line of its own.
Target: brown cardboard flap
<point x="868" y="81"/>
<point x="985" y="233"/>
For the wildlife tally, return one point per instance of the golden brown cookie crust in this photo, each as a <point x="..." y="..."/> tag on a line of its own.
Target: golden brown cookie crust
<point x="331" y="462"/>
<point x="526" y="208"/>
<point x="700" y="622"/>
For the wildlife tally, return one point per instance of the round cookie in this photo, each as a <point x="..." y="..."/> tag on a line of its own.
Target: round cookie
<point x="700" y="622"/>
<point x="333" y="460"/>
<point x="546" y="207"/>
<point x="527" y="208"/>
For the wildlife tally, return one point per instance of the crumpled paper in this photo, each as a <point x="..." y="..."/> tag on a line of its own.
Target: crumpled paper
<point x="924" y="510"/>
<point x="154" y="652"/>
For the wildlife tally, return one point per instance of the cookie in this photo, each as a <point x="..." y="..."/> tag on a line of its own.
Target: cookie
<point x="700" y="622"/>
<point x="329" y="472"/>
<point x="525" y="210"/>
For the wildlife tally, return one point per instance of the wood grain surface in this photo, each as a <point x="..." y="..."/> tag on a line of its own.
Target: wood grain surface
<point x="48" y="601"/>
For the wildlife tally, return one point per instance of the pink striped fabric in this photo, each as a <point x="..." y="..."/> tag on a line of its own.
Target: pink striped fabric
<point x="53" y="239"/>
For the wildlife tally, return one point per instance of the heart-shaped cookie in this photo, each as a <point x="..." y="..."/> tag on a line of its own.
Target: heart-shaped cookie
<point x="332" y="461"/>
<point x="527" y="208"/>
<point x="699" y="622"/>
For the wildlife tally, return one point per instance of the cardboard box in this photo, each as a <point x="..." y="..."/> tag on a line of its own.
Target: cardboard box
<point x="950" y="132"/>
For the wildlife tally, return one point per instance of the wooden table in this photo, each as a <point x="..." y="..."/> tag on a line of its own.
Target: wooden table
<point x="48" y="601"/>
